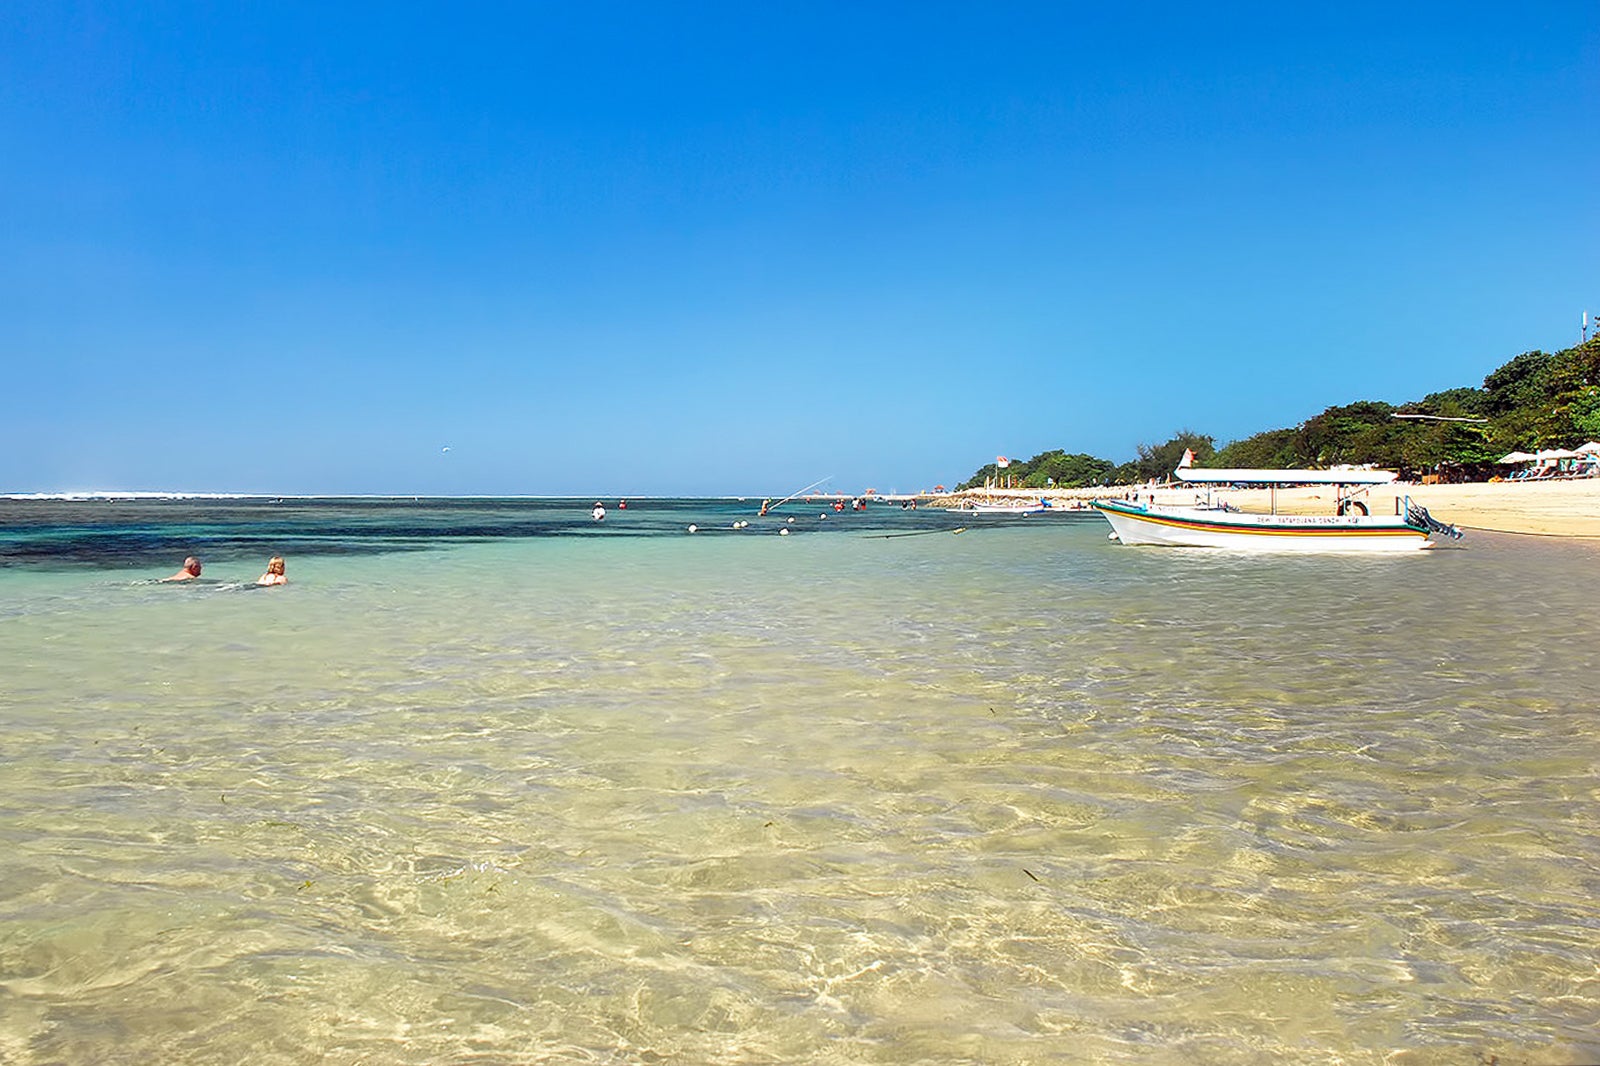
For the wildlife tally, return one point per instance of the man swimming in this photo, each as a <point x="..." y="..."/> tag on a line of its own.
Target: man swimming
<point x="190" y="571"/>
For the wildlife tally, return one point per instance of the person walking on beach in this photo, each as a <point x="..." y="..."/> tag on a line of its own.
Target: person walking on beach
<point x="274" y="574"/>
<point x="190" y="571"/>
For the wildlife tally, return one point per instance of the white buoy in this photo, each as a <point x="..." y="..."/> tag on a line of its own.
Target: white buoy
<point x="784" y="532"/>
<point x="694" y="529"/>
<point x="791" y="521"/>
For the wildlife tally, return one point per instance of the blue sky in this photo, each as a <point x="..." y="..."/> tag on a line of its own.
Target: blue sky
<point x="634" y="249"/>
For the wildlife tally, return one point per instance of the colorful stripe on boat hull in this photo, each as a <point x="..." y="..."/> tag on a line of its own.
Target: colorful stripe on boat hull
<point x="1191" y="527"/>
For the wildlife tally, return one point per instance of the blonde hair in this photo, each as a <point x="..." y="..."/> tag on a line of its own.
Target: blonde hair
<point x="275" y="565"/>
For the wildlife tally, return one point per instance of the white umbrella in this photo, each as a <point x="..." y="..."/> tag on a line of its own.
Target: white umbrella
<point x="1517" y="457"/>
<point x="1556" y="453"/>
<point x="1592" y="448"/>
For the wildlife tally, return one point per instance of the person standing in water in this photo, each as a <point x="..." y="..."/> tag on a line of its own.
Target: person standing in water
<point x="190" y="571"/>
<point x="274" y="574"/>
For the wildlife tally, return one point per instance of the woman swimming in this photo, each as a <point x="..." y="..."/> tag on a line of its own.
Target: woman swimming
<point x="274" y="574"/>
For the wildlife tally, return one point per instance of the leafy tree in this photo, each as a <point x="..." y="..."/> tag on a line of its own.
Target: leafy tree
<point x="1586" y="416"/>
<point x="1577" y="368"/>
<point x="1159" y="460"/>
<point x="1464" y="402"/>
<point x="1361" y="432"/>
<point x="1055" y="468"/>
<point x="1273" y="449"/>
<point x="1578" y="416"/>
<point x="1524" y="382"/>
<point x="985" y="475"/>
<point x="1067" y="471"/>
<point x="1517" y="429"/>
<point x="1572" y="382"/>
<point x="1126" y="474"/>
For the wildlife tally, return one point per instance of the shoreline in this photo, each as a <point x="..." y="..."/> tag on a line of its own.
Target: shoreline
<point x="1568" y="509"/>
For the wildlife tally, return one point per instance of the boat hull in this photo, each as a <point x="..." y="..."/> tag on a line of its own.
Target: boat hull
<point x="1195" y="528"/>
<point x="997" y="511"/>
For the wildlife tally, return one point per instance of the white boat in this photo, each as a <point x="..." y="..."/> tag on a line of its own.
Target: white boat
<point x="1013" y="508"/>
<point x="1349" y="528"/>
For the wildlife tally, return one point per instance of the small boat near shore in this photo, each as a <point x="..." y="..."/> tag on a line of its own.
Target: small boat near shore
<point x="1021" y="507"/>
<point x="1013" y="508"/>
<point x="1212" y="525"/>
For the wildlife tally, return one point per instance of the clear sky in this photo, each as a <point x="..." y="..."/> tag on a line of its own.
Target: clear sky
<point x="628" y="249"/>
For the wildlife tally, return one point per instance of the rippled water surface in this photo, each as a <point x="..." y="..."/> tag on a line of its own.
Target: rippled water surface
<point x="494" y="784"/>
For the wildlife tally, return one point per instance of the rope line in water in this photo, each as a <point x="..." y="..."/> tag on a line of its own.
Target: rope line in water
<point x="918" y="533"/>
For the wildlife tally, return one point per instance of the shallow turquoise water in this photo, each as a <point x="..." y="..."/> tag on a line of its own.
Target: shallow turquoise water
<point x="547" y="794"/>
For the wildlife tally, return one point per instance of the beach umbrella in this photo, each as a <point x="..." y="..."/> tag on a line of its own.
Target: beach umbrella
<point x="1556" y="453"/>
<point x="1592" y="448"/>
<point x="1517" y="457"/>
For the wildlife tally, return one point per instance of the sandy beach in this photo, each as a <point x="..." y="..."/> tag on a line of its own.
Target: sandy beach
<point x="1548" y="508"/>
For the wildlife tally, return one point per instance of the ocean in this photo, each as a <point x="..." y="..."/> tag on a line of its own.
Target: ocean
<point x="490" y="782"/>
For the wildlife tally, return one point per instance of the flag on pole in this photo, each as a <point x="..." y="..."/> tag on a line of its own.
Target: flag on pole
<point x="1001" y="461"/>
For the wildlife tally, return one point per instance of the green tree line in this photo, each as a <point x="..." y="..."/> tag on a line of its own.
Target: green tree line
<point x="1536" y="400"/>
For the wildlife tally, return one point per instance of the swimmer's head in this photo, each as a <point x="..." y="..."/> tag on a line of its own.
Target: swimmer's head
<point x="191" y="565"/>
<point x="275" y="565"/>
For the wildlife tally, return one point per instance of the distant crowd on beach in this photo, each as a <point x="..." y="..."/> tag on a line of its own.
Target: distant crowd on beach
<point x="192" y="567"/>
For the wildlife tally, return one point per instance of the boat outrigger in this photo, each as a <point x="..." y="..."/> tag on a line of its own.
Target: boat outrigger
<point x="1210" y="525"/>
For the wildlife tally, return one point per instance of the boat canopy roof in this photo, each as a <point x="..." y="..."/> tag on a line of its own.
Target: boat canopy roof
<point x="1241" y="476"/>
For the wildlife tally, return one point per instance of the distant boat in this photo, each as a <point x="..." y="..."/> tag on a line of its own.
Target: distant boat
<point x="1349" y="528"/>
<point x="1016" y="508"/>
